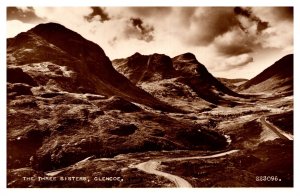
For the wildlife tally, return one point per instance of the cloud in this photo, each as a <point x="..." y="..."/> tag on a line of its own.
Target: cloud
<point x="234" y="42"/>
<point x="213" y="34"/>
<point x="139" y="12"/>
<point x="195" y="26"/>
<point x="68" y="16"/>
<point x="274" y="15"/>
<point x="234" y="62"/>
<point x="14" y="27"/>
<point x="259" y="28"/>
<point x="204" y="24"/>
<point x="247" y="12"/>
<point x="98" y="13"/>
<point x="279" y="36"/>
<point x="150" y="11"/>
<point x="280" y="32"/>
<point x="24" y="14"/>
<point x="144" y="32"/>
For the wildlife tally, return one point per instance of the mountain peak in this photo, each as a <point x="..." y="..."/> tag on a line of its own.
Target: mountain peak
<point x="137" y="54"/>
<point x="187" y="64"/>
<point x="50" y="27"/>
<point x="186" y="56"/>
<point x="64" y="38"/>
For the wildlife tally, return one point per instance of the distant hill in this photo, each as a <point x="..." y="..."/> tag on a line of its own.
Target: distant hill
<point x="232" y="83"/>
<point x="278" y="78"/>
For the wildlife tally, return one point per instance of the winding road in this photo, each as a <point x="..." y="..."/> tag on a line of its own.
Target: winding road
<point x="275" y="129"/>
<point x="152" y="165"/>
<point x="151" y="168"/>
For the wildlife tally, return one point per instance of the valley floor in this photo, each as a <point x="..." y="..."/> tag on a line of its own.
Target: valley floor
<point x="259" y="153"/>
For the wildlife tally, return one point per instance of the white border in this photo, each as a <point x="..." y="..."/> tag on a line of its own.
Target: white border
<point x="202" y="191"/>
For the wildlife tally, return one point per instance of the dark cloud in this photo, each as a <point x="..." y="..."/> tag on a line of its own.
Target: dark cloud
<point x="204" y="25"/>
<point x="140" y="30"/>
<point x="97" y="11"/>
<point x="235" y="42"/>
<point x="243" y="11"/>
<point x="284" y="13"/>
<point x="134" y="28"/>
<point x="247" y="12"/>
<point x="26" y="15"/>
<point x="249" y="33"/>
<point x="233" y="49"/>
<point x="137" y="22"/>
<point x="261" y="26"/>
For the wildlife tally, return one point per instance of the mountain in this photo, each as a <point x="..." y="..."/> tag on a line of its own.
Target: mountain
<point x="195" y="75"/>
<point x="183" y="69"/>
<point x="60" y="59"/>
<point x="278" y="78"/>
<point x="145" y="68"/>
<point x="66" y="102"/>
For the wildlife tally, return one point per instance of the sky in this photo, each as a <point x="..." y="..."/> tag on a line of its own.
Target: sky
<point x="232" y="42"/>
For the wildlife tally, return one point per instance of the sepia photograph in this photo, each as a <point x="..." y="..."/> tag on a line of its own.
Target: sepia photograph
<point x="149" y="97"/>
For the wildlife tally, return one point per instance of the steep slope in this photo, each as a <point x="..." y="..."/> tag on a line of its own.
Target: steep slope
<point x="60" y="59"/>
<point x="195" y="75"/>
<point x="278" y="78"/>
<point x="183" y="75"/>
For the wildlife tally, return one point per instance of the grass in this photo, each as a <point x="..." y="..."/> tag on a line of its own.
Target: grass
<point x="240" y="169"/>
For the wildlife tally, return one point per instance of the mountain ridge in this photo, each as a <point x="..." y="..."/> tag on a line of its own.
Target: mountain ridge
<point x="52" y="43"/>
<point x="278" y="77"/>
<point x="185" y="68"/>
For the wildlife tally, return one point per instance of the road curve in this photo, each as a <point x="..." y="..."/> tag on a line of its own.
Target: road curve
<point x="151" y="168"/>
<point x="275" y="129"/>
<point x="152" y="165"/>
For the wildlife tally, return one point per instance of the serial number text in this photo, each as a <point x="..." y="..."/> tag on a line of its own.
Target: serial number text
<point x="267" y="178"/>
